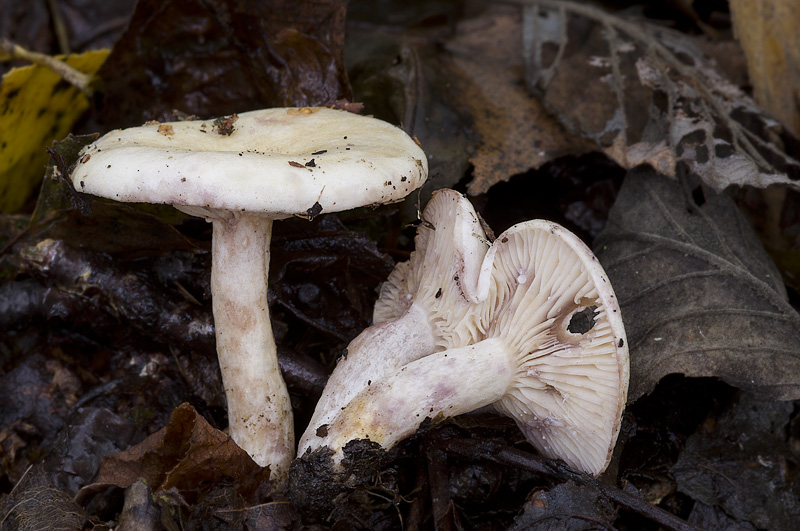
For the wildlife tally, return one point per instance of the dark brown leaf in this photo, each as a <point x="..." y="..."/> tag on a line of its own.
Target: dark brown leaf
<point x="326" y="275"/>
<point x="216" y="58"/>
<point x="566" y="507"/>
<point x="405" y="81"/>
<point x="698" y="293"/>
<point x="74" y="455"/>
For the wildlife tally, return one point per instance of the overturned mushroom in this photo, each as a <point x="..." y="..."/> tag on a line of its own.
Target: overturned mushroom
<point x="552" y="355"/>
<point x="425" y="306"/>
<point x="241" y="173"/>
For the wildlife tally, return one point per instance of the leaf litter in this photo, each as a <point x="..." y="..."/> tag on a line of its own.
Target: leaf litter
<point x="514" y="131"/>
<point x="647" y="95"/>
<point x="739" y="466"/>
<point x="430" y="482"/>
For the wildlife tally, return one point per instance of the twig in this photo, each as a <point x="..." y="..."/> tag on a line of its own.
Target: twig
<point x="10" y="51"/>
<point x="59" y="27"/>
<point x="498" y="453"/>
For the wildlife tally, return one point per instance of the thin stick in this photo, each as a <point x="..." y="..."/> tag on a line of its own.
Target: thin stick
<point x="498" y="453"/>
<point x="10" y="51"/>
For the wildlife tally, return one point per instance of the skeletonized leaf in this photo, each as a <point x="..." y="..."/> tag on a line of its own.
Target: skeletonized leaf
<point x="645" y="94"/>
<point x="698" y="293"/>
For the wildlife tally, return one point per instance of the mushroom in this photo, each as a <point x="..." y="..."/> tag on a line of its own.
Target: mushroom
<point x="241" y="173"/>
<point x="425" y="305"/>
<point x="551" y="353"/>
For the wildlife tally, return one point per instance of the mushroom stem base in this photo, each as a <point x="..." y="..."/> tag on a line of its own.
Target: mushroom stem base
<point x="377" y="352"/>
<point x="444" y="384"/>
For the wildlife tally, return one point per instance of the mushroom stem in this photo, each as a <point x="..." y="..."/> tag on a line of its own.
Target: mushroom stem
<point x="404" y="340"/>
<point x="259" y="410"/>
<point x="447" y="383"/>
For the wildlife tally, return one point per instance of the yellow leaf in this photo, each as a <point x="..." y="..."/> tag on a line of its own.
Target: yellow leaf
<point x="36" y="107"/>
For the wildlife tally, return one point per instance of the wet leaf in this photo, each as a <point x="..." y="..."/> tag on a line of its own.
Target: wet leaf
<point x="406" y="81"/>
<point x="36" y="107"/>
<point x="71" y="26"/>
<point x="697" y="290"/>
<point x="43" y="387"/>
<point x="740" y="462"/>
<point x="216" y="58"/>
<point x="647" y="95"/>
<point x="325" y="275"/>
<point x="90" y="433"/>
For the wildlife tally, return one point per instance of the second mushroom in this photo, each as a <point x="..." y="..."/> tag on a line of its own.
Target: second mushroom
<point x="547" y="348"/>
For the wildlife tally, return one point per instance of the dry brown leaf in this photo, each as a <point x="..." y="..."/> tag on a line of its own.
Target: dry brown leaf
<point x="186" y="455"/>
<point x="516" y="133"/>
<point x="767" y="30"/>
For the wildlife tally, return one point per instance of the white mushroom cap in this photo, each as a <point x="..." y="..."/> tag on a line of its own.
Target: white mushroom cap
<point x="554" y="357"/>
<point x="263" y="166"/>
<point x="425" y="306"/>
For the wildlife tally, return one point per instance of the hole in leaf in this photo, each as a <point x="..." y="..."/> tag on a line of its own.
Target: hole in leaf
<point x="698" y="196"/>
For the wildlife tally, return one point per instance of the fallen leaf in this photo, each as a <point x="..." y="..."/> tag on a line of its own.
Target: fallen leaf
<point x="36" y="107"/>
<point x="75" y="453"/>
<point x="326" y="275"/>
<point x="217" y="58"/>
<point x="188" y="455"/>
<point x="406" y="81"/>
<point x="515" y="133"/>
<point x="568" y="507"/>
<point x="646" y="94"/>
<point x="34" y="397"/>
<point x="699" y="295"/>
